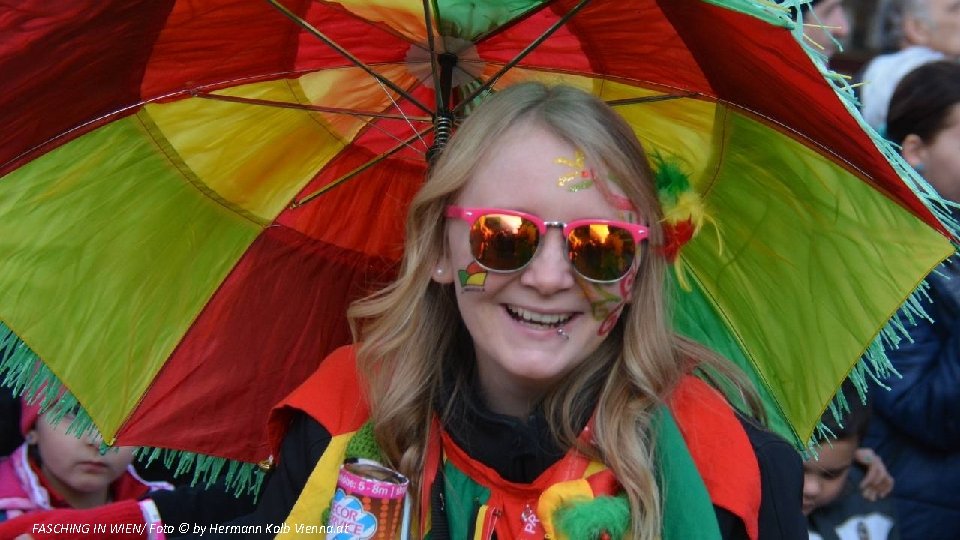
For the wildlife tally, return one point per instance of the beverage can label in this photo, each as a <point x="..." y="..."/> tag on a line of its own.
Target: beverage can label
<point x="368" y="503"/>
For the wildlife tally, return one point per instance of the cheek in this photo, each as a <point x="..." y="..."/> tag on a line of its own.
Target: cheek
<point x="943" y="171"/>
<point x="471" y="277"/>
<point x="607" y="301"/>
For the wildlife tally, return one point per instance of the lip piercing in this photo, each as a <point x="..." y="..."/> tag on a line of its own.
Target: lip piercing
<point x="563" y="334"/>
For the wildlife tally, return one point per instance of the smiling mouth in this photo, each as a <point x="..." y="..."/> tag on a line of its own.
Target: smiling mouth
<point x="539" y="320"/>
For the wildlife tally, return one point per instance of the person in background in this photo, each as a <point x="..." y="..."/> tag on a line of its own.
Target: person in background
<point x="916" y="428"/>
<point x="844" y="486"/>
<point x="926" y="31"/>
<point x="57" y="469"/>
<point x="826" y="24"/>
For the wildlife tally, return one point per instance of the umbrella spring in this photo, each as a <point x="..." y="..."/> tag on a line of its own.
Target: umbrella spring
<point x="442" y="129"/>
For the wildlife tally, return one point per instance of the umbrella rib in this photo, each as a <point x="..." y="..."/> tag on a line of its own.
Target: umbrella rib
<point x="402" y="116"/>
<point x="346" y="54"/>
<point x="403" y="144"/>
<point x="434" y="68"/>
<point x="398" y="139"/>
<point x="650" y="99"/>
<point x="521" y="55"/>
<point x="314" y="108"/>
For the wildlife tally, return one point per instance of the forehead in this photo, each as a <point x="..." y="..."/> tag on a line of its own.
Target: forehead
<point x="827" y="6"/>
<point x="835" y="455"/>
<point x="531" y="168"/>
<point x="940" y="6"/>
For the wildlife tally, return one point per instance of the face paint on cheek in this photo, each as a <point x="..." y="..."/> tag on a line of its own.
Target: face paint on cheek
<point x="472" y="277"/>
<point x="581" y="178"/>
<point x="602" y="301"/>
<point x="626" y="289"/>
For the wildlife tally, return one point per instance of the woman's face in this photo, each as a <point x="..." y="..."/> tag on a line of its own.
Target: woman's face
<point x="514" y="318"/>
<point x="939" y="158"/>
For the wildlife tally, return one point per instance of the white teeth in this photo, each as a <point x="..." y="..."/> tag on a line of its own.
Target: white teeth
<point x="532" y="317"/>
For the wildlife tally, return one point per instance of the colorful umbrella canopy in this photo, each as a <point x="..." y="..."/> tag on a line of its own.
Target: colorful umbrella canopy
<point x="192" y="192"/>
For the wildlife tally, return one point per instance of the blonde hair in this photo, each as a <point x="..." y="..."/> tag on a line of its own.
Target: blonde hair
<point x="408" y="331"/>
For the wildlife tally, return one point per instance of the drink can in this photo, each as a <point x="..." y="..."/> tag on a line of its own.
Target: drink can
<point x="368" y="503"/>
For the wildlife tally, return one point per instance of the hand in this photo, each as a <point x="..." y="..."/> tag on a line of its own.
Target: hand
<point x="877" y="482"/>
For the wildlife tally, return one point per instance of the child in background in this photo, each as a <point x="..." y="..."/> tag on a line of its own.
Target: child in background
<point x="56" y="469"/>
<point x="844" y="485"/>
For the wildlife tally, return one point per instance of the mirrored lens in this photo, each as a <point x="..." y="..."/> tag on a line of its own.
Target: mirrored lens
<point x="601" y="252"/>
<point x="503" y="242"/>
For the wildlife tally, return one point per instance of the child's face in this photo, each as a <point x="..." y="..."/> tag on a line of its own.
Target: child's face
<point x="823" y="478"/>
<point x="74" y="467"/>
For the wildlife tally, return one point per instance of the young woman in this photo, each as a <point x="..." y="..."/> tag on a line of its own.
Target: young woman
<point x="527" y="343"/>
<point x="521" y="371"/>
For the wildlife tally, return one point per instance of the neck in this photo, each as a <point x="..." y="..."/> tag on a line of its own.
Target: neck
<point x="502" y="397"/>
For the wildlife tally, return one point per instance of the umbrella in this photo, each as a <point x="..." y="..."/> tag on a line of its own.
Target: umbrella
<point x="192" y="192"/>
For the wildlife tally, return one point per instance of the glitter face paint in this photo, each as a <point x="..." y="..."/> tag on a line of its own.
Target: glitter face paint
<point x="580" y="178"/>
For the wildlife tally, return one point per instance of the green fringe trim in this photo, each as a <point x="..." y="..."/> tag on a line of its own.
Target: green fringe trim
<point x="23" y="371"/>
<point x="241" y="478"/>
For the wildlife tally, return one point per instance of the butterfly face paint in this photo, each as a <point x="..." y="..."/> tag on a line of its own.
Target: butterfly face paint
<point x="580" y="178"/>
<point x="472" y="277"/>
<point x="605" y="304"/>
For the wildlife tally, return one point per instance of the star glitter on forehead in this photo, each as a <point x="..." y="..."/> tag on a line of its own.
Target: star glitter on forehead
<point x="581" y="177"/>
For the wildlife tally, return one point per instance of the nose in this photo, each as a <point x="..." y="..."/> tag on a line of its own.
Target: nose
<point x="549" y="271"/>
<point x="811" y="486"/>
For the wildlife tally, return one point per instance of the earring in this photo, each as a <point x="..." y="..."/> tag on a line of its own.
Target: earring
<point x="31" y="438"/>
<point x="439" y="271"/>
<point x="919" y="168"/>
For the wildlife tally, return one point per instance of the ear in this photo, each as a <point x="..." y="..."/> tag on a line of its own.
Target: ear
<point x="914" y="150"/>
<point x="442" y="271"/>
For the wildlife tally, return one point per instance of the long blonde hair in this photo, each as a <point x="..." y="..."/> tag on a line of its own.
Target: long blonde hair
<point x="407" y="331"/>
